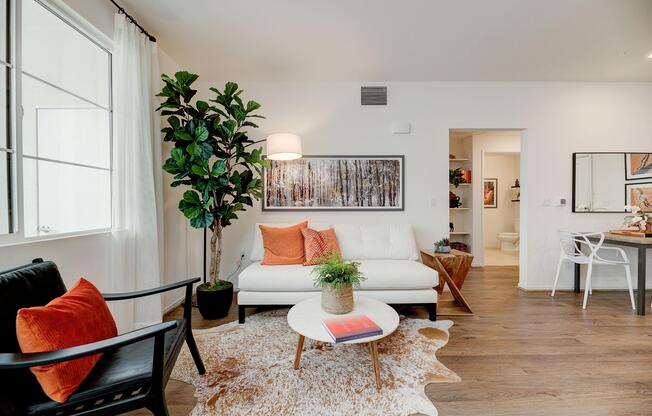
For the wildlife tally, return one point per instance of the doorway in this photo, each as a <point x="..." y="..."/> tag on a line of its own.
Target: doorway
<point x="488" y="212"/>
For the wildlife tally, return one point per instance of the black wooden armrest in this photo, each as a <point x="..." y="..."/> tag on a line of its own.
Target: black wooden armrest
<point x="153" y="291"/>
<point x="25" y="360"/>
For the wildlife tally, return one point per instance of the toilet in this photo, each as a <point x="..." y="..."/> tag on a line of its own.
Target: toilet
<point x="509" y="240"/>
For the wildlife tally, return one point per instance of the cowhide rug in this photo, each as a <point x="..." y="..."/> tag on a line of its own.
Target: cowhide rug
<point x="249" y="371"/>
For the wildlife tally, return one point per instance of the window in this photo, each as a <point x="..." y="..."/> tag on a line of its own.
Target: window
<point x="65" y="131"/>
<point x="6" y="149"/>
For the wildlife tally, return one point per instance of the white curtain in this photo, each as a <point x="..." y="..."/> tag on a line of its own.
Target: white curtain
<point x="137" y="236"/>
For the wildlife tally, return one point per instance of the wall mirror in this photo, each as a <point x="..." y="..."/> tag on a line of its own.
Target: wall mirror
<point x="606" y="182"/>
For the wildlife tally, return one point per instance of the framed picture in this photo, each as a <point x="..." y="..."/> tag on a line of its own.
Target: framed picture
<point x="639" y="194"/>
<point x="335" y="183"/>
<point x="490" y="193"/>
<point x="638" y="166"/>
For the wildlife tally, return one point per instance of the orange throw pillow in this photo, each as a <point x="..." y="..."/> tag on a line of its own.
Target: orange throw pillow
<point x="283" y="245"/>
<point x="319" y="244"/>
<point x="80" y="316"/>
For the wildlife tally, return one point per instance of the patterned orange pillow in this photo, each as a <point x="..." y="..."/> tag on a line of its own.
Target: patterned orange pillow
<point x="319" y="244"/>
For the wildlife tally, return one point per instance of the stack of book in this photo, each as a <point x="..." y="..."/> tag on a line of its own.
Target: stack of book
<point x="351" y="327"/>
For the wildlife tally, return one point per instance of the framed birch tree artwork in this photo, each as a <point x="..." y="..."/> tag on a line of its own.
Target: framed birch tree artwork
<point x="331" y="183"/>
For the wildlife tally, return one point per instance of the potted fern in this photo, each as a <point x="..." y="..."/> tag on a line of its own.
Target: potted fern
<point x="218" y="164"/>
<point x="337" y="279"/>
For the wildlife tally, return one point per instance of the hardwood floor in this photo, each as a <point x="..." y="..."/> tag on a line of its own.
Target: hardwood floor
<point x="525" y="353"/>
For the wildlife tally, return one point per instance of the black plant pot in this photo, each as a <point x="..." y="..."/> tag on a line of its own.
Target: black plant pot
<point x="214" y="303"/>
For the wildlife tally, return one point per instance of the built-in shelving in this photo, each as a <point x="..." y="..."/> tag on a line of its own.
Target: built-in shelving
<point x="461" y="146"/>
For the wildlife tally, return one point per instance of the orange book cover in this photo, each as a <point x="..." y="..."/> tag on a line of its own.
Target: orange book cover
<point x="349" y="328"/>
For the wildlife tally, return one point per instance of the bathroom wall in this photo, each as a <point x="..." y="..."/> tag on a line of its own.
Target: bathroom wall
<point x="489" y="142"/>
<point x="505" y="167"/>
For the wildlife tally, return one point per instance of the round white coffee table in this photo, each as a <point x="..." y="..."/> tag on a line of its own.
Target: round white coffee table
<point x="306" y="318"/>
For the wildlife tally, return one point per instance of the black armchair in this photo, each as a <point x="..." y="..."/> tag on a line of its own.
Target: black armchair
<point x="131" y="374"/>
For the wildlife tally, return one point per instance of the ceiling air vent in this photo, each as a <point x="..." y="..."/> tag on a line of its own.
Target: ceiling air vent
<point x="373" y="95"/>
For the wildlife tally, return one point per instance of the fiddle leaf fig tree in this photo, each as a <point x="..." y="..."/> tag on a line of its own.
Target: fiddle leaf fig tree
<point x="213" y="156"/>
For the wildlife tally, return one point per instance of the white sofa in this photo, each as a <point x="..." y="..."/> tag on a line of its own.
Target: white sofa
<point x="388" y="258"/>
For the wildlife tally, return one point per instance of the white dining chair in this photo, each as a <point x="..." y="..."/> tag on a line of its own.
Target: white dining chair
<point x="577" y="248"/>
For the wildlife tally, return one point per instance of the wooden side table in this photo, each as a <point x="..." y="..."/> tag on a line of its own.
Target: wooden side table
<point x="453" y="269"/>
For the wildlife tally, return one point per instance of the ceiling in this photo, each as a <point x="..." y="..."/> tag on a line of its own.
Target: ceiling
<point x="405" y="40"/>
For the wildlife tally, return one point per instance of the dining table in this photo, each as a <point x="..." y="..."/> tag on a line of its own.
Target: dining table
<point x="641" y="244"/>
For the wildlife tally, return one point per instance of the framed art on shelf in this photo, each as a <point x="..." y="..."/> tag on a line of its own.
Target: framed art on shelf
<point x="639" y="194"/>
<point x="638" y="166"/>
<point x="335" y="183"/>
<point x="490" y="192"/>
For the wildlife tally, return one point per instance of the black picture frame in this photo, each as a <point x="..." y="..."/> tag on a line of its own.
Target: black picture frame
<point x="630" y="184"/>
<point x="400" y="158"/>
<point x="628" y="176"/>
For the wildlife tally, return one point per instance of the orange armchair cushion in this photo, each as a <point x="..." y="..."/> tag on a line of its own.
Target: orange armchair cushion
<point x="319" y="244"/>
<point x="80" y="316"/>
<point x="283" y="245"/>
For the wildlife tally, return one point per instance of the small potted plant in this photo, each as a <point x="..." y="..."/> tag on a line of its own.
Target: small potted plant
<point x="443" y="246"/>
<point x="456" y="177"/>
<point x="639" y="220"/>
<point x="337" y="279"/>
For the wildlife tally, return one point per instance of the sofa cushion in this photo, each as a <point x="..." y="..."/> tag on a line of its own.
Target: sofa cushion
<point x="380" y="274"/>
<point x="376" y="241"/>
<point x="359" y="241"/>
<point x="257" y="249"/>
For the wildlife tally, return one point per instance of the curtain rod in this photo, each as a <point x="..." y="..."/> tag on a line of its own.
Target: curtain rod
<point x="128" y="16"/>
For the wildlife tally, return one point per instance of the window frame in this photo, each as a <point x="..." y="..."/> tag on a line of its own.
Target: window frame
<point x="86" y="29"/>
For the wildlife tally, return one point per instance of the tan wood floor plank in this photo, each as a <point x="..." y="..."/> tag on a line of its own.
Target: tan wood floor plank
<point x="526" y="353"/>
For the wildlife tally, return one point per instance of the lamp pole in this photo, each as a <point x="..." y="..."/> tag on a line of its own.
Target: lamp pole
<point x="204" y="256"/>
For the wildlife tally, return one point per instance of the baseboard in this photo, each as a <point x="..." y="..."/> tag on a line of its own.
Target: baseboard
<point x="566" y="289"/>
<point x="173" y="305"/>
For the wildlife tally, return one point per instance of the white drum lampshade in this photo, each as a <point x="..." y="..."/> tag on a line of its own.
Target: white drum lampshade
<point x="284" y="146"/>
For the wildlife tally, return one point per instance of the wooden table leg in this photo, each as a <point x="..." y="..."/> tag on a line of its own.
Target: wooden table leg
<point x="297" y="357"/>
<point x="642" y="265"/>
<point x="455" y="291"/>
<point x="373" y="348"/>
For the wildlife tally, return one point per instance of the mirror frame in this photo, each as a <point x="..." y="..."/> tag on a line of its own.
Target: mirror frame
<point x="574" y="156"/>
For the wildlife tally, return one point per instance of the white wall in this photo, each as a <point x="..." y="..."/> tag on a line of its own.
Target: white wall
<point x="505" y="168"/>
<point x="560" y="118"/>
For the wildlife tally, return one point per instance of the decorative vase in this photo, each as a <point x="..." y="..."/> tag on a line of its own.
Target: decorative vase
<point x="214" y="304"/>
<point x="337" y="302"/>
